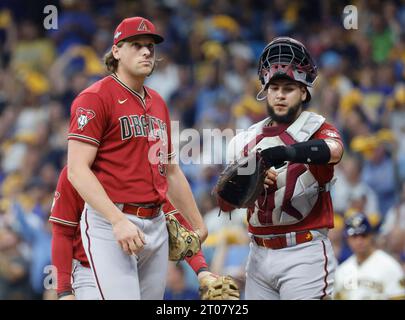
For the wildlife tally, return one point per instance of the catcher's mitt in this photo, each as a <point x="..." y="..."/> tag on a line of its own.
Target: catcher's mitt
<point x="240" y="185"/>
<point x="214" y="287"/>
<point x="182" y="242"/>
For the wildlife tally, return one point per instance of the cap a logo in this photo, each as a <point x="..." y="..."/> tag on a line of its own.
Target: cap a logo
<point x="83" y="117"/>
<point x="143" y="26"/>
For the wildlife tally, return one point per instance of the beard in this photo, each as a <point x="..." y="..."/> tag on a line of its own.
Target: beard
<point x="289" y="117"/>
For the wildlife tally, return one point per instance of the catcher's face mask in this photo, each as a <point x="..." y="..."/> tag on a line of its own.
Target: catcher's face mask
<point x="286" y="58"/>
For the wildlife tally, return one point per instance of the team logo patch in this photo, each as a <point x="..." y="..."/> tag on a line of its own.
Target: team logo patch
<point x="83" y="117"/>
<point x="330" y="133"/>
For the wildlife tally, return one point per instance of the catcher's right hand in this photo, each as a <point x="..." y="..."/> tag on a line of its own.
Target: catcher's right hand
<point x="213" y="287"/>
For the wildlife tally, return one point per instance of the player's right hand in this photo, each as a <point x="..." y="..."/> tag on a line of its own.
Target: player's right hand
<point x="129" y="236"/>
<point x="271" y="178"/>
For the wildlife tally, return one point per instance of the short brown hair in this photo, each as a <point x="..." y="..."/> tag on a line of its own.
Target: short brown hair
<point x="109" y="60"/>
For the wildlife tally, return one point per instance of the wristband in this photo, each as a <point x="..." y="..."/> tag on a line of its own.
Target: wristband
<point x="64" y="294"/>
<point x="201" y="270"/>
<point x="311" y="152"/>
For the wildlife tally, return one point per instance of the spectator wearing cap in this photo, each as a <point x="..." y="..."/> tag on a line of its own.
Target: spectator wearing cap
<point x="370" y="273"/>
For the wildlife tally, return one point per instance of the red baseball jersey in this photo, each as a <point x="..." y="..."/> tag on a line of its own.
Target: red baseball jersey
<point x="67" y="209"/>
<point x="321" y="215"/>
<point x="132" y="135"/>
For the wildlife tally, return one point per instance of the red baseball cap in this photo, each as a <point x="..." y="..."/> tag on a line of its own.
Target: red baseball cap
<point x="136" y="26"/>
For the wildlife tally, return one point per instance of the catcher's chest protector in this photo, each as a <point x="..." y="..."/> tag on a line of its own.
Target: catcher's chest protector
<point x="297" y="190"/>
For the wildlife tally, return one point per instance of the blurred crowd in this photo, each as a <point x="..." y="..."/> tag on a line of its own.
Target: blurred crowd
<point x="207" y="73"/>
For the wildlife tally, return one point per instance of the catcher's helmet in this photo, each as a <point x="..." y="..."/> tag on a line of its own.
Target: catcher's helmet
<point x="358" y="224"/>
<point x="285" y="57"/>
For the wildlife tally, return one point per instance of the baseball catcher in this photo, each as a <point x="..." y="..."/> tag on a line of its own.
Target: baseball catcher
<point x="299" y="149"/>
<point x="182" y="242"/>
<point x="213" y="287"/>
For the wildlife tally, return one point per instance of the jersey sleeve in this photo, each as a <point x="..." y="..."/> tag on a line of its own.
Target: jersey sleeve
<point x="88" y="119"/>
<point x="67" y="204"/>
<point x="62" y="255"/>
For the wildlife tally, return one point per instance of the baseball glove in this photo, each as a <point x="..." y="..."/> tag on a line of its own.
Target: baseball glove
<point x="214" y="287"/>
<point x="182" y="242"/>
<point x="242" y="181"/>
